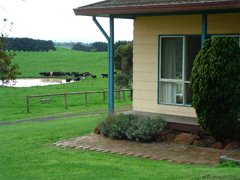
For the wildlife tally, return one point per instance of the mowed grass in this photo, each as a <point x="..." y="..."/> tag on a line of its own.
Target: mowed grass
<point x="27" y="152"/>
<point x="61" y="60"/>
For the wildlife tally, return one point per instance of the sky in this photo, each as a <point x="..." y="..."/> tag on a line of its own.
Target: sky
<point x="55" y="20"/>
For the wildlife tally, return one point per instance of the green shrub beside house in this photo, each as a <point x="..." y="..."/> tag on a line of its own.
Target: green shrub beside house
<point x="132" y="127"/>
<point x="215" y="84"/>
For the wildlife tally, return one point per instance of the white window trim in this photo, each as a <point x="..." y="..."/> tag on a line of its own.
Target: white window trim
<point x="184" y="82"/>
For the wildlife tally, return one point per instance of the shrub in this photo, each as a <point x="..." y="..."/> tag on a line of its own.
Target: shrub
<point x="132" y="127"/>
<point x="8" y="70"/>
<point x="106" y="125"/>
<point x="119" y="127"/>
<point x="144" y="129"/>
<point x="215" y="84"/>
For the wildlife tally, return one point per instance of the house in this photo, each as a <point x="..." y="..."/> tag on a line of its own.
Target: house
<point x="167" y="36"/>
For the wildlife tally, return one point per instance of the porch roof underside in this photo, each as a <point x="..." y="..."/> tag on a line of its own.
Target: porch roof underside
<point x="133" y="8"/>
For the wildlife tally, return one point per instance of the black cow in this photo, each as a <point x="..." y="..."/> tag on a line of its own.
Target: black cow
<point x="68" y="80"/>
<point x="46" y="73"/>
<point x="76" y="74"/>
<point x="104" y="75"/>
<point x="94" y="76"/>
<point x="77" y="79"/>
<point x="87" y="74"/>
<point x="68" y="74"/>
<point x="42" y="73"/>
<point x="58" y="74"/>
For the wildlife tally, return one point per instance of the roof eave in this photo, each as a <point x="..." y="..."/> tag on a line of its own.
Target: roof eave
<point x="105" y="12"/>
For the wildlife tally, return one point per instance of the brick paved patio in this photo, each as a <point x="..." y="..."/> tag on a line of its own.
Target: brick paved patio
<point x="155" y="151"/>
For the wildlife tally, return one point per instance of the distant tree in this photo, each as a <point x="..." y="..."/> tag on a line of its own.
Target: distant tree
<point x="66" y="45"/>
<point x="8" y="70"/>
<point x="119" y="43"/>
<point x="27" y="44"/>
<point x="99" y="46"/>
<point x="123" y="58"/>
<point x="81" y="47"/>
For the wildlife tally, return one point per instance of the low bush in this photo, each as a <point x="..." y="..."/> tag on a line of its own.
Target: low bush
<point x="106" y="125"/>
<point x="132" y="127"/>
<point x="144" y="129"/>
<point x="119" y="127"/>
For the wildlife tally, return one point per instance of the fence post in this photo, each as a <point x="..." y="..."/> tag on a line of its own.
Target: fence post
<point x="104" y="96"/>
<point x="131" y="94"/>
<point x="86" y="99"/>
<point x="123" y="95"/>
<point x="65" y="100"/>
<point x="28" y="108"/>
<point x="119" y="95"/>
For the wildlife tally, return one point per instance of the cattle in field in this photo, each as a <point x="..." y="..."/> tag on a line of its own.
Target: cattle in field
<point x="58" y="74"/>
<point x="68" y="80"/>
<point x="68" y="74"/>
<point x="76" y="74"/>
<point x="87" y="74"/>
<point x="77" y="79"/>
<point x="104" y="75"/>
<point x="94" y="76"/>
<point x="44" y="73"/>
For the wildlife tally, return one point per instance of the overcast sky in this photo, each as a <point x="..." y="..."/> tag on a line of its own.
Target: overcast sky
<point x="55" y="20"/>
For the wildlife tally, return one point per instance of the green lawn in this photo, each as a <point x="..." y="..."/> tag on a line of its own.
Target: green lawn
<point x="63" y="60"/>
<point x="26" y="152"/>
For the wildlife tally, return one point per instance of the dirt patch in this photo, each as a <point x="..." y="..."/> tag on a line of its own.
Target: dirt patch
<point x="156" y="151"/>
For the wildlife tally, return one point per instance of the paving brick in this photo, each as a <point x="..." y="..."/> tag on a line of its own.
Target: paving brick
<point x="155" y="151"/>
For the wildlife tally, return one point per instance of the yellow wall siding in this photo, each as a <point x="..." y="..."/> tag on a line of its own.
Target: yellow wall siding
<point x="148" y="76"/>
<point x="145" y="58"/>
<point x="145" y="95"/>
<point x="145" y="48"/>
<point x="224" y="23"/>
<point x="155" y="25"/>
<point x="145" y="67"/>
<point x="144" y="85"/>
<point x="145" y="54"/>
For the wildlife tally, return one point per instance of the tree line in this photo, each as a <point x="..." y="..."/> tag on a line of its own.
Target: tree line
<point x="27" y="44"/>
<point x="90" y="47"/>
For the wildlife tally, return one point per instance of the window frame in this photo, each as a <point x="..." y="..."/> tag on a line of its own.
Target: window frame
<point x="183" y="81"/>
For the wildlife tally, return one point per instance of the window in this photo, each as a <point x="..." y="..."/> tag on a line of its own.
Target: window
<point x="176" y="56"/>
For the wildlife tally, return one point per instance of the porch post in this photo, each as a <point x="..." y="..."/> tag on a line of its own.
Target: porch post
<point x="204" y="27"/>
<point x="111" y="68"/>
<point x="110" y="40"/>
